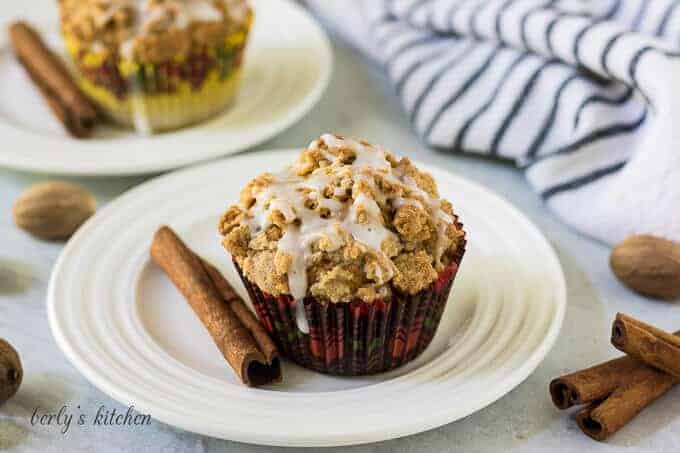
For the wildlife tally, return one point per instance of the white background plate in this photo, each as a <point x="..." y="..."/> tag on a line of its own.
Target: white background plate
<point x="127" y="329"/>
<point x="287" y="67"/>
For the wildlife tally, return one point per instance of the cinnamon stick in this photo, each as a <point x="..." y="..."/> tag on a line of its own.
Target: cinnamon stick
<point x="601" y="420"/>
<point x="617" y="390"/>
<point x="595" y="383"/>
<point x="646" y="343"/>
<point x="264" y="341"/>
<point x="239" y="337"/>
<point x="592" y="384"/>
<point x="53" y="80"/>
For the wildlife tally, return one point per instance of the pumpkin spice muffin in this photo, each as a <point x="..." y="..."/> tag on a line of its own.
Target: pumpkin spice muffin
<point x="157" y="64"/>
<point x="348" y="255"/>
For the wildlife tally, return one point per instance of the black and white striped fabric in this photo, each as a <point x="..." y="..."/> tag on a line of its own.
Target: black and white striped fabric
<point x="583" y="95"/>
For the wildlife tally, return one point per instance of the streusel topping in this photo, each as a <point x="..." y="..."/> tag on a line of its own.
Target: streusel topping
<point x="345" y="220"/>
<point x="151" y="30"/>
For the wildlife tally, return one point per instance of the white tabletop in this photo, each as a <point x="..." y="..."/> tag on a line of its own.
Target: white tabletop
<point x="357" y="103"/>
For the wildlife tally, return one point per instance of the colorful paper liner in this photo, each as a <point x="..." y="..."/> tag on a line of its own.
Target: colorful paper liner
<point x="159" y="112"/>
<point x="356" y="338"/>
<point x="165" y="96"/>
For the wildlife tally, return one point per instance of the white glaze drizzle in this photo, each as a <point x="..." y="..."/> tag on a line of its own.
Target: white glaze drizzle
<point x="288" y="192"/>
<point x="140" y="117"/>
<point x="180" y="13"/>
<point x="301" y="317"/>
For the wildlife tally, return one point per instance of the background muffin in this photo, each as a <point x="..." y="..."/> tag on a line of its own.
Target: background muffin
<point x="348" y="255"/>
<point x="157" y="64"/>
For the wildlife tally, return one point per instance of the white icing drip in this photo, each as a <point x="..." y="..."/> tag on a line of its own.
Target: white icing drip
<point x="284" y="195"/>
<point x="367" y="156"/>
<point x="372" y="233"/>
<point x="196" y="11"/>
<point x="97" y="46"/>
<point x="439" y="247"/>
<point x="140" y="118"/>
<point x="293" y="195"/>
<point x="127" y="49"/>
<point x="283" y="207"/>
<point x="178" y="13"/>
<point x="237" y="10"/>
<point x="401" y="201"/>
<point x="112" y="8"/>
<point x="300" y="317"/>
<point x="297" y="273"/>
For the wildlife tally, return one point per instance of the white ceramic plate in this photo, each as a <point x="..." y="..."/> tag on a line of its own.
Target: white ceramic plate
<point x="287" y="68"/>
<point x="127" y="329"/>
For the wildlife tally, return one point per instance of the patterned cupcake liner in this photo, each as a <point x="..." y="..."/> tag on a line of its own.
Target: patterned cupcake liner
<point x="160" y="111"/>
<point x="356" y="338"/>
<point x="163" y="96"/>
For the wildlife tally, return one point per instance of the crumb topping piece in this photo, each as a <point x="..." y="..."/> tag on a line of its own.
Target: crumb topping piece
<point x="342" y="222"/>
<point x="151" y="30"/>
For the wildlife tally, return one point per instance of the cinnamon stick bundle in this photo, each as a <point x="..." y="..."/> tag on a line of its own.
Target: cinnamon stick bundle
<point x="238" y="335"/>
<point x="54" y="81"/>
<point x="614" y="391"/>
<point x="646" y="385"/>
<point x="648" y="344"/>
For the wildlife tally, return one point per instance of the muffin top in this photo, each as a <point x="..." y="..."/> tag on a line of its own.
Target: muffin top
<point x="150" y="30"/>
<point x="342" y="223"/>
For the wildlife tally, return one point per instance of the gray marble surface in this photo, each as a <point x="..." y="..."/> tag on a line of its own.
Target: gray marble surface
<point x="357" y="103"/>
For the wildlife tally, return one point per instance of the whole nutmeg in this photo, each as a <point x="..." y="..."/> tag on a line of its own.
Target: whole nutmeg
<point x="11" y="372"/>
<point x="648" y="265"/>
<point x="53" y="210"/>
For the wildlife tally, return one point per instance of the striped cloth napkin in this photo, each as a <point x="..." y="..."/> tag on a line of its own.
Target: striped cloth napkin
<point x="582" y="95"/>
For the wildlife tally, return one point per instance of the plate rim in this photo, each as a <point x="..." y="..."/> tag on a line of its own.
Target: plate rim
<point x="367" y="435"/>
<point x="22" y="137"/>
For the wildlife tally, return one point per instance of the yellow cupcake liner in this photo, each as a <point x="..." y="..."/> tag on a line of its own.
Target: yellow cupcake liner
<point x="158" y="112"/>
<point x="144" y="96"/>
